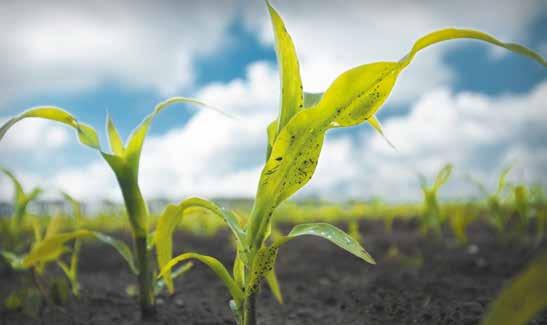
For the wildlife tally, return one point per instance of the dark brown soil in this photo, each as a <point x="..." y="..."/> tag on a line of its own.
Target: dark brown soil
<point x="429" y="281"/>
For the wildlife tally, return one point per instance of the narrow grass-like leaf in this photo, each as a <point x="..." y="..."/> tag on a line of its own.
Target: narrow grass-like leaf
<point x="15" y="261"/>
<point x="215" y="265"/>
<point x="273" y="283"/>
<point x="114" y="139"/>
<point x="120" y="247"/>
<point x="289" y="71"/>
<point x="331" y="233"/>
<point x="523" y="298"/>
<point x="170" y="218"/>
<point x="50" y="248"/>
<point x="442" y="176"/>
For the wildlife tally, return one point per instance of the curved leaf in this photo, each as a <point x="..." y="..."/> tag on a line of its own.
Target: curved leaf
<point x="502" y="181"/>
<point x="120" y="247"/>
<point x="136" y="139"/>
<point x="331" y="233"/>
<point x="19" y="193"/>
<point x="170" y="218"/>
<point x="51" y="248"/>
<point x="215" y="265"/>
<point x="523" y="298"/>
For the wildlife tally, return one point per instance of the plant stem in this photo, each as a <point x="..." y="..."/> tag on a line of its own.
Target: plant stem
<point x="146" y="290"/>
<point x="249" y="310"/>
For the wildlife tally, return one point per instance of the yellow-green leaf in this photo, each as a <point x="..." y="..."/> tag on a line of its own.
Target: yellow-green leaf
<point x="114" y="139"/>
<point x="273" y="283"/>
<point x="50" y="248"/>
<point x="263" y="264"/>
<point x="289" y="71"/>
<point x="331" y="233"/>
<point x="442" y="176"/>
<point x="170" y="218"/>
<point x="523" y="298"/>
<point x="215" y="265"/>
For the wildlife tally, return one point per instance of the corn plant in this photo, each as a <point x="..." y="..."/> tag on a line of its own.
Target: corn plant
<point x="13" y="230"/>
<point x="295" y="140"/>
<point x="494" y="201"/>
<point x="432" y="219"/>
<point x="71" y="270"/>
<point x="124" y="162"/>
<point x="47" y="247"/>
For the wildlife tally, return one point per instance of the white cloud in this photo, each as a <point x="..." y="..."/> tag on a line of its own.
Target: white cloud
<point x="34" y="136"/>
<point x="64" y="46"/>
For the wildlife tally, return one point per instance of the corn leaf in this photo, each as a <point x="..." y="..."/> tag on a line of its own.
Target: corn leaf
<point x="120" y="247"/>
<point x="136" y="139"/>
<point x="331" y="233"/>
<point x="442" y="176"/>
<point x="114" y="139"/>
<point x="51" y="248"/>
<point x="215" y="265"/>
<point x="15" y="261"/>
<point x="273" y="283"/>
<point x="289" y="71"/>
<point x="161" y="284"/>
<point x="263" y="264"/>
<point x="170" y="218"/>
<point x="19" y="193"/>
<point x="523" y="298"/>
<point x="502" y="181"/>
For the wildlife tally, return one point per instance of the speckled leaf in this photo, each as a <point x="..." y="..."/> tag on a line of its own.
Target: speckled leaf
<point x="263" y="264"/>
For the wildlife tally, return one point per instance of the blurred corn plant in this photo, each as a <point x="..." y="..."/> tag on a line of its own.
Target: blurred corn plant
<point x="13" y="229"/>
<point x="295" y="140"/>
<point x="498" y="214"/>
<point x="432" y="218"/>
<point x="124" y="161"/>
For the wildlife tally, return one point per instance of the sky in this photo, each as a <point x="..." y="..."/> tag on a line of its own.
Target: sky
<point x="462" y="102"/>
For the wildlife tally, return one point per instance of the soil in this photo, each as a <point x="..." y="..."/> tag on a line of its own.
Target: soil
<point x="418" y="280"/>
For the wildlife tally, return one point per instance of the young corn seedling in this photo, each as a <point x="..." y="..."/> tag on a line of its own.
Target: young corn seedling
<point x="295" y="139"/>
<point x="432" y="219"/>
<point x="71" y="270"/>
<point x="48" y="246"/>
<point x="13" y="230"/>
<point x="124" y="162"/>
<point x="494" y="201"/>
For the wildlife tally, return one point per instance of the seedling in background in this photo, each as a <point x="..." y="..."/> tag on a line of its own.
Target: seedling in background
<point x="432" y="219"/>
<point x="71" y="269"/>
<point x="500" y="215"/>
<point x="12" y="231"/>
<point x="295" y="139"/>
<point x="124" y="162"/>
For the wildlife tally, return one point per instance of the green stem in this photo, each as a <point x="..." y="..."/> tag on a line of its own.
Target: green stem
<point x="249" y="310"/>
<point x="145" y="277"/>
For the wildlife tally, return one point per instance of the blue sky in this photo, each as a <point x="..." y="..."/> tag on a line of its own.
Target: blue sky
<point x="124" y="59"/>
